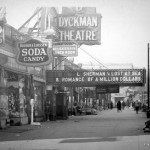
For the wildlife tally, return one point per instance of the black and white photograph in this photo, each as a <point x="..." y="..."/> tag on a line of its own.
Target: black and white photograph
<point x="74" y="74"/>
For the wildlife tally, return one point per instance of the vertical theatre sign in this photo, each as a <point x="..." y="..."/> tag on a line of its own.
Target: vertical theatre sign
<point x="33" y="53"/>
<point x="80" y="28"/>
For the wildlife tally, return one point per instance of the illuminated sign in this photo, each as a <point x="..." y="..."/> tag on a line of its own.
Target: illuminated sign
<point x="33" y="53"/>
<point x="65" y="50"/>
<point x="78" y="28"/>
<point x="125" y="77"/>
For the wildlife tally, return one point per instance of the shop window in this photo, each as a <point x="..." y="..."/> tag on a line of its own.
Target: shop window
<point x="16" y="94"/>
<point x="38" y="109"/>
<point x="13" y="101"/>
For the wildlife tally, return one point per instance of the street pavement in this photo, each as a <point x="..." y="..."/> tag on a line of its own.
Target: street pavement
<point x="109" y="130"/>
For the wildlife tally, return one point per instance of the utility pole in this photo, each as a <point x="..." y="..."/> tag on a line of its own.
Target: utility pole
<point x="72" y="100"/>
<point x="148" y="113"/>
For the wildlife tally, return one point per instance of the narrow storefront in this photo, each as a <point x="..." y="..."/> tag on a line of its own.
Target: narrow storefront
<point x="39" y="97"/>
<point x="18" y="84"/>
<point x="13" y="98"/>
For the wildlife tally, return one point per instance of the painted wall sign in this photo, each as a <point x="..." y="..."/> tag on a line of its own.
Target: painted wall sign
<point x="126" y="77"/>
<point x="65" y="50"/>
<point x="33" y="53"/>
<point x="78" y="28"/>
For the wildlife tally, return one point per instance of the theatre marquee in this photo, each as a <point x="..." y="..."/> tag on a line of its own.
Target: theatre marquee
<point x="123" y="77"/>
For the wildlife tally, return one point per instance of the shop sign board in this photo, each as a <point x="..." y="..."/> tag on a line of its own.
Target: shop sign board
<point x="33" y="53"/>
<point x="107" y="89"/>
<point x="79" y="28"/>
<point x="65" y="50"/>
<point x="11" y="76"/>
<point x="124" y="77"/>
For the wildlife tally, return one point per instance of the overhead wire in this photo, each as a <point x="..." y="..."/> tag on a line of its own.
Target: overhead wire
<point x="93" y="57"/>
<point x="74" y="42"/>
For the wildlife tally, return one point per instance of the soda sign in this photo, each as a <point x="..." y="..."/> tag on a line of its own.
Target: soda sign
<point x="33" y="53"/>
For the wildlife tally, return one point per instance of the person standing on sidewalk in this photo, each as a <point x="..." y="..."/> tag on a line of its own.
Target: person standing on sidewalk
<point x="123" y="105"/>
<point x="136" y="105"/>
<point x="111" y="105"/>
<point x="118" y="106"/>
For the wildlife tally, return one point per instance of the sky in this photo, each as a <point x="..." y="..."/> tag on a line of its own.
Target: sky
<point x="125" y="28"/>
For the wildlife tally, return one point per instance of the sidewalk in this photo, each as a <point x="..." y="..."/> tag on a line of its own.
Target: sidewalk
<point x="64" y="126"/>
<point x="109" y="130"/>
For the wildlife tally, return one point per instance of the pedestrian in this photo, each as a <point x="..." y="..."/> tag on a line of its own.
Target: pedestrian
<point x="118" y="106"/>
<point x="123" y="105"/>
<point x="79" y="109"/>
<point x="136" y="105"/>
<point x="111" y="105"/>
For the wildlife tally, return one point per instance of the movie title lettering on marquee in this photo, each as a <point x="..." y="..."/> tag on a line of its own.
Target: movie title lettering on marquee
<point x="78" y="28"/>
<point x="33" y="53"/>
<point x="132" y="77"/>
